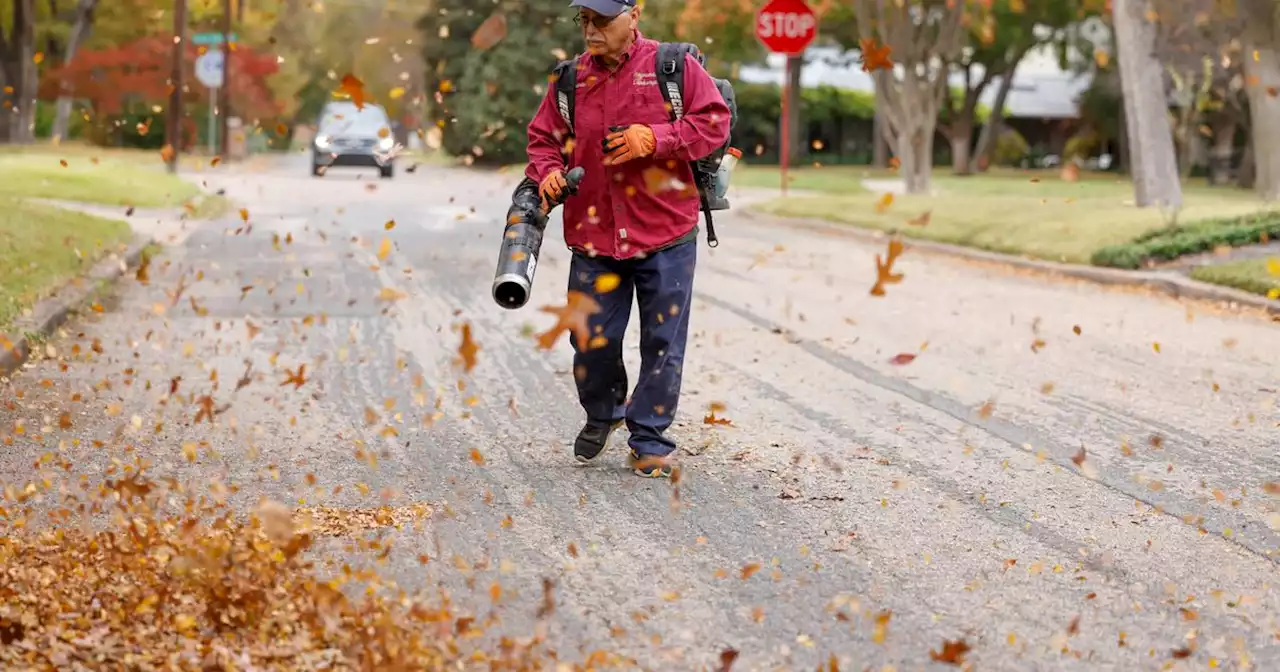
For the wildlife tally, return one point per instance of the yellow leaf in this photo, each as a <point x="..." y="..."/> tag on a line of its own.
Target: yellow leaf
<point x="884" y="203"/>
<point x="397" y="93"/>
<point x="384" y="250"/>
<point x="607" y="282"/>
<point x="1273" y="266"/>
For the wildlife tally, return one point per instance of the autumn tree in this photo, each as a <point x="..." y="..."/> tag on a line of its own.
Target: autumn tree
<point x="999" y="37"/>
<point x="1153" y="162"/>
<point x="18" y="70"/>
<point x="924" y="36"/>
<point x="1261" y="65"/>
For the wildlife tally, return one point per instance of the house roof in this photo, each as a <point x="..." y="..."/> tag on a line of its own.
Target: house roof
<point x="1041" y="90"/>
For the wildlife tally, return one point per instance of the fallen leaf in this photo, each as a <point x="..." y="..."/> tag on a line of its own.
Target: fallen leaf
<point x="952" y="653"/>
<point x="726" y="659"/>
<point x="749" y="569"/>
<point x="986" y="410"/>
<point x="477" y="457"/>
<point x="881" y="629"/>
<point x="902" y="358"/>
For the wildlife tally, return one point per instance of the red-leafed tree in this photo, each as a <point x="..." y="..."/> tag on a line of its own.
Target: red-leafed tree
<point x="134" y="77"/>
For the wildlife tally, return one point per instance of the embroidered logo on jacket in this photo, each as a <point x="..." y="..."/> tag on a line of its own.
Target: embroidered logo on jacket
<point x="645" y="79"/>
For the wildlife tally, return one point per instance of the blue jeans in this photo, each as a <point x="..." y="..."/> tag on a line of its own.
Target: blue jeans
<point x="662" y="283"/>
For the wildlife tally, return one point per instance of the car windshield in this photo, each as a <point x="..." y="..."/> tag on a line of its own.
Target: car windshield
<point x="347" y="119"/>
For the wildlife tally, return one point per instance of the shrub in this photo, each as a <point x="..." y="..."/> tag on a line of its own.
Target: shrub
<point x="1202" y="236"/>
<point x="1011" y="148"/>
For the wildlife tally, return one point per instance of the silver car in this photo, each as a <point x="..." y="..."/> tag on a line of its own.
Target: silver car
<point x="350" y="136"/>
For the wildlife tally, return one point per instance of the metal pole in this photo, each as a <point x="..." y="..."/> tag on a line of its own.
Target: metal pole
<point x="786" y="130"/>
<point x="173" y="124"/>
<point x="213" y="120"/>
<point x="224" y="91"/>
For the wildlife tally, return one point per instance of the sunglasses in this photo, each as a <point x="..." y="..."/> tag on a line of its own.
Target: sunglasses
<point x="599" y="21"/>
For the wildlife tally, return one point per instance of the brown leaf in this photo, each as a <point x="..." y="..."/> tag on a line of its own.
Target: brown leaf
<point x="884" y="268"/>
<point x="467" y="349"/>
<point x="491" y="32"/>
<point x="477" y="457"/>
<point x="881" y="629"/>
<point x="952" y="653"/>
<point x="922" y="220"/>
<point x="573" y="317"/>
<point x="875" y="56"/>
<point x="353" y="87"/>
<point x="987" y="409"/>
<point x="726" y="659"/>
<point x="902" y="359"/>
<point x="749" y="569"/>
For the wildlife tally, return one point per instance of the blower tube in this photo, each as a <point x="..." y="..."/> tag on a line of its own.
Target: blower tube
<point x="522" y="241"/>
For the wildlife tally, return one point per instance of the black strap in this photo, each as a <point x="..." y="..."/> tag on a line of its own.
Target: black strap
<point x="670" y="67"/>
<point x="566" y="76"/>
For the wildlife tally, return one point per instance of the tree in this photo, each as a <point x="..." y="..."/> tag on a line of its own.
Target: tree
<point x="485" y="96"/>
<point x="18" y="62"/>
<point x="1153" y="162"/>
<point x="1262" y="83"/>
<point x="1001" y="36"/>
<point x="924" y="35"/>
<point x="79" y="31"/>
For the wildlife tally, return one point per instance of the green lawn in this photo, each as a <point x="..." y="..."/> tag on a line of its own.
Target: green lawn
<point x="91" y="175"/>
<point x="1029" y="213"/>
<point x="36" y="259"/>
<point x="1251" y="275"/>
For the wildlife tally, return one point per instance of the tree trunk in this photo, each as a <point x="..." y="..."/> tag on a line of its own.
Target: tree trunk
<point x="1188" y="143"/>
<point x="879" y="141"/>
<point x="991" y="129"/>
<point x="1154" y="162"/>
<point x="1247" y="174"/>
<point x="799" y="141"/>
<point x="79" y="31"/>
<point x="961" y="140"/>
<point x="22" y="123"/>
<point x="1262" y="72"/>
<point x="1124" y="162"/>
<point x="1220" y="155"/>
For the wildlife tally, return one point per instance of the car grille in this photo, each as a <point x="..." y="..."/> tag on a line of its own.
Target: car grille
<point x="353" y="143"/>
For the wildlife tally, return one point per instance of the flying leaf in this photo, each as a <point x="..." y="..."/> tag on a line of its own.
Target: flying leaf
<point x="874" y="56"/>
<point x="384" y="249"/>
<point x="353" y="87"/>
<point x="884" y="267"/>
<point x="607" y="282"/>
<point x="902" y="359"/>
<point x="922" y="220"/>
<point x="1273" y="266"/>
<point x="712" y="419"/>
<point x="570" y="317"/>
<point x="726" y="660"/>
<point x="884" y="202"/>
<point x="467" y="349"/>
<point x="490" y="33"/>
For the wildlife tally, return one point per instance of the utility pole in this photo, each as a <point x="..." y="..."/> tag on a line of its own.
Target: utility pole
<point x="224" y="91"/>
<point x="173" y="125"/>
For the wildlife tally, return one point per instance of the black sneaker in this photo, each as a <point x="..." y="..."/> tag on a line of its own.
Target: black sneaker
<point x="592" y="440"/>
<point x="650" y="466"/>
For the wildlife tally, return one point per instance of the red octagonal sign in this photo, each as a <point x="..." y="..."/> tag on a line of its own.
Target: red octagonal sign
<point x="786" y="26"/>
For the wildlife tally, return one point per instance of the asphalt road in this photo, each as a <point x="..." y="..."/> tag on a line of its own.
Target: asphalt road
<point x="942" y="493"/>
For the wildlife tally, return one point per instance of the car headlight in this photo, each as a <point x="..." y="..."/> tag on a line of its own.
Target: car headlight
<point x="323" y="141"/>
<point x="385" y="144"/>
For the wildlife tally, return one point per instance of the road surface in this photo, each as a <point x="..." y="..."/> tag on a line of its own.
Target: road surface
<point x="888" y="508"/>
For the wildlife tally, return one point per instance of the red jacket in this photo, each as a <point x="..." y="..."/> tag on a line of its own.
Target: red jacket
<point x="644" y="204"/>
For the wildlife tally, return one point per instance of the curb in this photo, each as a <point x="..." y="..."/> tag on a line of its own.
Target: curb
<point x="50" y="313"/>
<point x="1170" y="284"/>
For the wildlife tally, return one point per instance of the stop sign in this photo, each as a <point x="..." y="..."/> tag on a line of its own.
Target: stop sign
<point x="786" y="26"/>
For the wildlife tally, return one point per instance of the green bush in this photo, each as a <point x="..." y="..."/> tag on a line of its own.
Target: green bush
<point x="1011" y="148"/>
<point x="1202" y="236"/>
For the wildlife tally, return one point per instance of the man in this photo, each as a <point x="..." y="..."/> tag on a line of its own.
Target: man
<point x="634" y="220"/>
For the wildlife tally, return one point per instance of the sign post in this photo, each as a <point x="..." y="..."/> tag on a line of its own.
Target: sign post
<point x="786" y="27"/>
<point x="209" y="70"/>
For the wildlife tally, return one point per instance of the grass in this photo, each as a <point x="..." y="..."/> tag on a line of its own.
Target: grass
<point x="1251" y="275"/>
<point x="91" y="175"/>
<point x="42" y="247"/>
<point x="1028" y="213"/>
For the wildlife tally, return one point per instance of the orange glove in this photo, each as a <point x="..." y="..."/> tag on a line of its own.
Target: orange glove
<point x="552" y="188"/>
<point x="636" y="142"/>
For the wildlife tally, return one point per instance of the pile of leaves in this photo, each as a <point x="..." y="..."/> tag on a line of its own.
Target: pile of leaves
<point x="192" y="587"/>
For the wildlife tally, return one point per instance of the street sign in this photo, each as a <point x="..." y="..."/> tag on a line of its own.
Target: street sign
<point x="211" y="38"/>
<point x="209" y="68"/>
<point x="786" y="26"/>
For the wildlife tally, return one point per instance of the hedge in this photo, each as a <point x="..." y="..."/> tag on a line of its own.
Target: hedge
<point x="1194" y="238"/>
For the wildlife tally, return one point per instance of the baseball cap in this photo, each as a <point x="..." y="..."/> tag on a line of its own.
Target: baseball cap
<point x="605" y="7"/>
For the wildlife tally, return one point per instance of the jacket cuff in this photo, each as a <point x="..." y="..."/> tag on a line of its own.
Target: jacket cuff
<point x="665" y="139"/>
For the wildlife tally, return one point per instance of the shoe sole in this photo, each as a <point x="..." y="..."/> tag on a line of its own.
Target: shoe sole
<point x="662" y="471"/>
<point x="603" y="449"/>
